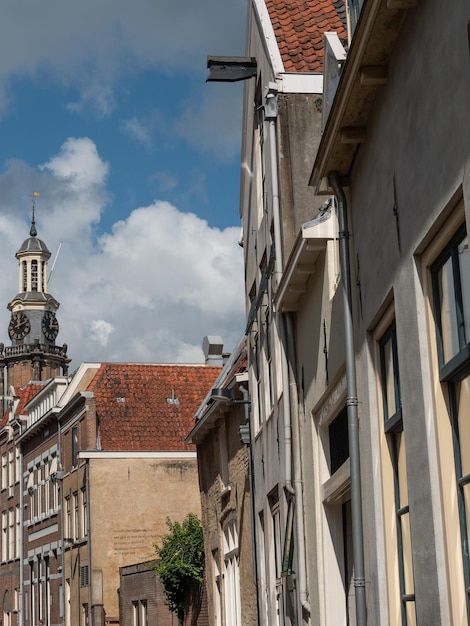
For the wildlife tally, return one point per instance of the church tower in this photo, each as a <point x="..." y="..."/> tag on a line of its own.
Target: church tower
<point x="33" y="326"/>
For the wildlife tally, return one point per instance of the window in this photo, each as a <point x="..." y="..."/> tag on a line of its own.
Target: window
<point x="47" y="487"/>
<point x="217" y="588"/>
<point x="135" y="613"/>
<point x="11" y="533"/>
<point x="30" y="486"/>
<point x="354" y="11"/>
<point x="451" y="293"/>
<point x="276" y="552"/>
<point x="84" y="510"/>
<point x="338" y="440"/>
<point x="332" y="445"/>
<point x="40" y="489"/>
<point x="84" y="615"/>
<point x="139" y="613"/>
<point x="4" y="536"/>
<point x="67" y="529"/>
<point x="393" y="427"/>
<point x="25" y="276"/>
<point x="43" y="276"/>
<point x="74" y="446"/>
<point x="11" y="471"/>
<point x="450" y="275"/>
<point x="32" y="597"/>
<point x="34" y="275"/>
<point x="18" y="465"/>
<point x="231" y="575"/>
<point x="4" y="472"/>
<point x="76" y="528"/>
<point x="18" y="531"/>
<point x="143" y="613"/>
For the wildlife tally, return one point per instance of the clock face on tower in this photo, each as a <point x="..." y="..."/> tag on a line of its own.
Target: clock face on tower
<point x="50" y="325"/>
<point x="19" y="325"/>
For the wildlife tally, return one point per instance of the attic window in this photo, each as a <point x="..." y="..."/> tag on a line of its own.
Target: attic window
<point x="173" y="399"/>
<point x="120" y="399"/>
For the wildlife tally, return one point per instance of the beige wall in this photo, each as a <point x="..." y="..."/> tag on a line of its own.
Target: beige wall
<point x="130" y="500"/>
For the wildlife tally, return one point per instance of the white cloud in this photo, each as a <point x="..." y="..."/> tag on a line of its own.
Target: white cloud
<point x="137" y="131"/>
<point x="148" y="290"/>
<point x="92" y="43"/>
<point x="100" y="331"/>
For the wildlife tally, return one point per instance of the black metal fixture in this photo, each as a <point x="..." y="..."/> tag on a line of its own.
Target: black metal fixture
<point x="230" y="69"/>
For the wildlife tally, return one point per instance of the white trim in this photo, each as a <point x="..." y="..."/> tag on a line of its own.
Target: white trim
<point x="43" y="533"/>
<point x="269" y="36"/>
<point x="301" y="82"/>
<point x="117" y="454"/>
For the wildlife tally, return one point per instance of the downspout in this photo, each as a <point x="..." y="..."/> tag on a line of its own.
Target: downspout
<point x="90" y="569"/>
<point x="289" y="395"/>
<point x="298" y="485"/>
<point x="254" y="543"/>
<point x="60" y="506"/>
<point x="22" y="559"/>
<point x="351" y="404"/>
<point x="271" y="110"/>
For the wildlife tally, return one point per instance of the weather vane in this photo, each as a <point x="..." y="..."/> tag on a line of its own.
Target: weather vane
<point x="33" y="232"/>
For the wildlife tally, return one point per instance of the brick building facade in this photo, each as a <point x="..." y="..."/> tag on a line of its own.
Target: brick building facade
<point x="221" y="434"/>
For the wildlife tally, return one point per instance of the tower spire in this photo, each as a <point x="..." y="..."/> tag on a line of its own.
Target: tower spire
<point x="33" y="232"/>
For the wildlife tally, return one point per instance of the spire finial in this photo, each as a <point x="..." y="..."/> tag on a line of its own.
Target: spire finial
<point x="33" y="232"/>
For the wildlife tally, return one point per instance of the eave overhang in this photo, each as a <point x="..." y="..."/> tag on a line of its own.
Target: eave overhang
<point x="38" y="426"/>
<point x="211" y="409"/>
<point x="310" y="242"/>
<point x="364" y="72"/>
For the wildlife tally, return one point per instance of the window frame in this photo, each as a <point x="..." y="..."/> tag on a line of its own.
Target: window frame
<point x="458" y="366"/>
<point x="394" y="431"/>
<point x="452" y="373"/>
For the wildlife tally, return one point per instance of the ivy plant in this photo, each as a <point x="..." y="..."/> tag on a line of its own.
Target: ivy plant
<point x="180" y="562"/>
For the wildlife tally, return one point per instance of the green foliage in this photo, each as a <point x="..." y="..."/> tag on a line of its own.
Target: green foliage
<point x="180" y="561"/>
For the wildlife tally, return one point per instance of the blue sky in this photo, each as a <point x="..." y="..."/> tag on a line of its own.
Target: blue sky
<point x="105" y="111"/>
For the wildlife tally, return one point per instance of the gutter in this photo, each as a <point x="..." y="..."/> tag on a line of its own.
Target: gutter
<point x="351" y="404"/>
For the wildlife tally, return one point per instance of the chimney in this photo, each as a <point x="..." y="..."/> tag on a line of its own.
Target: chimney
<point x="212" y="347"/>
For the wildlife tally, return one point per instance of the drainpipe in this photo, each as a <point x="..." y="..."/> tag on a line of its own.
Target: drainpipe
<point x="22" y="556"/>
<point x="88" y="540"/>
<point x="298" y="485"/>
<point x="271" y="110"/>
<point x="254" y="543"/>
<point x="288" y="381"/>
<point x="351" y="404"/>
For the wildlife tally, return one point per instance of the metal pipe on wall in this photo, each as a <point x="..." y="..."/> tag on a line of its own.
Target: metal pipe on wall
<point x="351" y="404"/>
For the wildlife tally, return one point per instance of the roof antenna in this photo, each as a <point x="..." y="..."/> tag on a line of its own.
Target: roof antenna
<point x="33" y="232"/>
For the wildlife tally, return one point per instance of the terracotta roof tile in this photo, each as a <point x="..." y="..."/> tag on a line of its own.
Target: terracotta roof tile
<point x="299" y="26"/>
<point x="25" y="394"/>
<point x="149" y="407"/>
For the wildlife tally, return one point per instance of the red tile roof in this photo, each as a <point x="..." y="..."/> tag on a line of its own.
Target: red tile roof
<point x="148" y="407"/>
<point x="25" y="394"/>
<point x="299" y="26"/>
